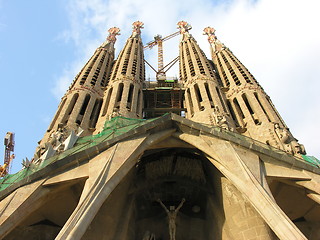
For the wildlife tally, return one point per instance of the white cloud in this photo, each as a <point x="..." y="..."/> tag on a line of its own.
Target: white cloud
<point x="277" y="40"/>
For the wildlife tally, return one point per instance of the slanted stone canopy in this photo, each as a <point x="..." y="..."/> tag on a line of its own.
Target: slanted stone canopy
<point x="108" y="181"/>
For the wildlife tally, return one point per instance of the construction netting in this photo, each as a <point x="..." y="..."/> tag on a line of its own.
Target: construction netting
<point x="311" y="160"/>
<point x="115" y="127"/>
<point x="112" y="128"/>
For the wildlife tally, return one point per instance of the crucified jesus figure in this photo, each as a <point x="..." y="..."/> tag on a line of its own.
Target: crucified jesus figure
<point x="172" y="215"/>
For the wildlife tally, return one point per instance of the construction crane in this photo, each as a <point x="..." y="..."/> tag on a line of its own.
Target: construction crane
<point x="8" y="157"/>
<point x="158" y="40"/>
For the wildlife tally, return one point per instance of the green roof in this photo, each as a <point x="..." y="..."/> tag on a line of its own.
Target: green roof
<point x="113" y="128"/>
<point x="120" y="128"/>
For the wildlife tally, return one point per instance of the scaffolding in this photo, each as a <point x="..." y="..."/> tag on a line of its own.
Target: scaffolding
<point x="9" y="147"/>
<point x="163" y="96"/>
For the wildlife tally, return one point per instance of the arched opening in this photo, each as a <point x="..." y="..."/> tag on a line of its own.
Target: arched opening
<point x="83" y="109"/>
<point x="139" y="103"/>
<point x="51" y="213"/>
<point x="238" y="108"/>
<point x="130" y="95"/>
<point x="198" y="96"/>
<point x="70" y="108"/>
<point x="95" y="113"/>
<point x="295" y="203"/>
<point x="250" y="108"/>
<point x="119" y="94"/>
<point x="206" y="85"/>
<point x="233" y="115"/>
<point x="157" y="184"/>
<point x="106" y="104"/>
<point x="191" y="111"/>
<point x="169" y="175"/>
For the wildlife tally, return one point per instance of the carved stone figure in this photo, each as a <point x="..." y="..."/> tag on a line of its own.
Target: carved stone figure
<point x="220" y="118"/>
<point x="282" y="133"/>
<point x="115" y="113"/>
<point x="290" y="143"/>
<point x="172" y="216"/>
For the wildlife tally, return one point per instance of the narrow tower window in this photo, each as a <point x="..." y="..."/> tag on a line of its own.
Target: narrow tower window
<point x="134" y="67"/>
<point x="130" y="93"/>
<point x="206" y="85"/>
<point x="105" y="109"/>
<point x="221" y="99"/>
<point x="139" y="103"/>
<point x="197" y="91"/>
<point x="95" y="113"/>
<point x="70" y="108"/>
<point x="85" y="75"/>
<point x="233" y="115"/>
<point x="238" y="108"/>
<point x="198" y="96"/>
<point x="83" y="109"/>
<point x="120" y="91"/>
<point x="245" y="99"/>
<point x="106" y="71"/>
<point x="190" y="101"/>
<point x="224" y="75"/>
<point x="85" y="104"/>
<point x="265" y="112"/>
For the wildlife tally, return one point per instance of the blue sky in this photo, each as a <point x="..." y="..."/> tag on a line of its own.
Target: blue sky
<point x="44" y="44"/>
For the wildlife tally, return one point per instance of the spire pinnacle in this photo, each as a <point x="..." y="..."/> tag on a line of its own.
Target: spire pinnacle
<point x="113" y="32"/>
<point x="137" y="25"/>
<point x="210" y="32"/>
<point x="212" y="39"/>
<point x="112" y="38"/>
<point x="184" y="28"/>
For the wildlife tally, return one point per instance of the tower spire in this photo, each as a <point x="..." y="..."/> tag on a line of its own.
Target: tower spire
<point x="137" y="26"/>
<point x="112" y="38"/>
<point x="123" y="95"/>
<point x="204" y="100"/>
<point x="250" y="107"/>
<point x="215" y="44"/>
<point x="80" y="106"/>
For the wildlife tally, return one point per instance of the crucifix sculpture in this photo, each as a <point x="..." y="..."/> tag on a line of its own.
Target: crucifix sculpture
<point x="172" y="215"/>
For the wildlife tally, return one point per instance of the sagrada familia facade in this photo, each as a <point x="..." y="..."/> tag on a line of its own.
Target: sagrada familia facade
<point x="204" y="156"/>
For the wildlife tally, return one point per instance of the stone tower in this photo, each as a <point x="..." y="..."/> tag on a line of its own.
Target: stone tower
<point x="250" y="107"/>
<point x="80" y="106"/>
<point x="203" y="98"/>
<point x="202" y="157"/>
<point x="123" y="95"/>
